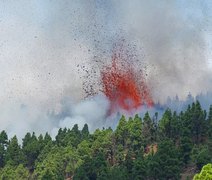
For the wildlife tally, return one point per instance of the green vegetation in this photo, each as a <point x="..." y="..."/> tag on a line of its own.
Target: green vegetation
<point x="205" y="174"/>
<point x="137" y="149"/>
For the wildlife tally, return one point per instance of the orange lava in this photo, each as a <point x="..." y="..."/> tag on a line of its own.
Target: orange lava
<point x="124" y="86"/>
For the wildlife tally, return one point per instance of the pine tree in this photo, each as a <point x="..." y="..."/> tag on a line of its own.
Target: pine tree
<point x="135" y="136"/>
<point x="60" y="137"/>
<point x="147" y="129"/>
<point x="165" y="124"/>
<point x="31" y="149"/>
<point x="209" y="122"/>
<point x="3" y="146"/>
<point x="185" y="146"/>
<point x="121" y="132"/>
<point x="14" y="155"/>
<point x="85" y="132"/>
<point x="139" y="170"/>
<point x="165" y="163"/>
<point x="198" y="124"/>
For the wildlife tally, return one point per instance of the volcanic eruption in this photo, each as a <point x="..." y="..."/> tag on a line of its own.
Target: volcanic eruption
<point x="122" y="80"/>
<point x="124" y="84"/>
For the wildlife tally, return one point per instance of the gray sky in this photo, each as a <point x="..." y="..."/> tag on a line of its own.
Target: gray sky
<point x="43" y="41"/>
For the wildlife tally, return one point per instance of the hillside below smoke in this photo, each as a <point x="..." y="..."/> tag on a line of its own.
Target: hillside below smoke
<point x="21" y="119"/>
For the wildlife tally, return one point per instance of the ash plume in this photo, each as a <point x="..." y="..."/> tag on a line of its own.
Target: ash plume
<point x="43" y="44"/>
<point x="173" y="36"/>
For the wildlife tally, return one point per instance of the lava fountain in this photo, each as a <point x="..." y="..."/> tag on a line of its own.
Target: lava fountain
<point x="122" y="80"/>
<point x="124" y="84"/>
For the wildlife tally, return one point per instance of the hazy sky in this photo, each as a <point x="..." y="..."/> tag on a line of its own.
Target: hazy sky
<point x="43" y="41"/>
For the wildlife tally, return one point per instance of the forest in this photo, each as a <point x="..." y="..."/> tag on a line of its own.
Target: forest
<point x="175" y="146"/>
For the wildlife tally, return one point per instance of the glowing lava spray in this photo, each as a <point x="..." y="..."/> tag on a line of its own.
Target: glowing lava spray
<point x="122" y="80"/>
<point x="124" y="84"/>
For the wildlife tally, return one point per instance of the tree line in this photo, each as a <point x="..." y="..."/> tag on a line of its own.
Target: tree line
<point x="139" y="148"/>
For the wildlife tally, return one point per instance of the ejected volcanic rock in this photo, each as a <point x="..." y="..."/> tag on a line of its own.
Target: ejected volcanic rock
<point x="122" y="80"/>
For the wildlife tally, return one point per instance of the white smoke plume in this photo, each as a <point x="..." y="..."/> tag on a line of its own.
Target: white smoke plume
<point x="19" y="119"/>
<point x="92" y="111"/>
<point x="173" y="36"/>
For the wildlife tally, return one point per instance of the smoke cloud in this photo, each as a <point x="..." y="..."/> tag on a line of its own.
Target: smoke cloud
<point x="42" y="44"/>
<point x="173" y="36"/>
